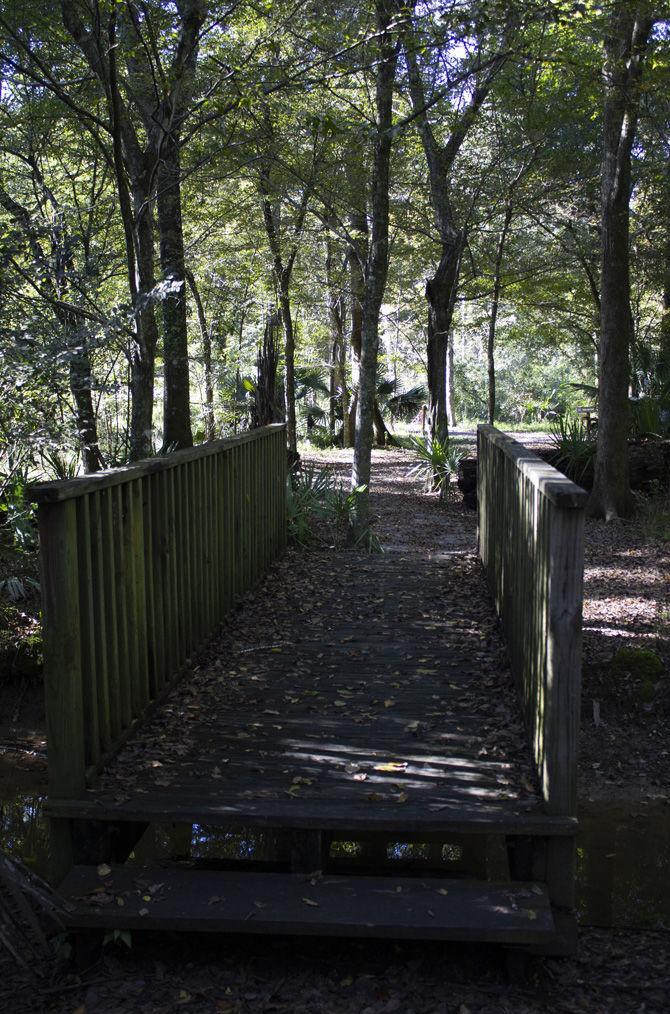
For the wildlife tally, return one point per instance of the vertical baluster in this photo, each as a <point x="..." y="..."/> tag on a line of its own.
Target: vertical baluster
<point x="207" y="526"/>
<point x="197" y="524"/>
<point x="86" y="613"/>
<point x="174" y="565"/>
<point x="155" y="545"/>
<point x="231" y="513"/>
<point x="123" y="589"/>
<point x="62" y="649"/>
<point x="184" y="572"/>
<point x="236" y="527"/>
<point x="109" y="536"/>
<point x="100" y="620"/>
<point x="142" y="694"/>
<point x="215" y="574"/>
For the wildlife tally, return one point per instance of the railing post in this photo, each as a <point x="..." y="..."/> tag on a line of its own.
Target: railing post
<point x="62" y="647"/>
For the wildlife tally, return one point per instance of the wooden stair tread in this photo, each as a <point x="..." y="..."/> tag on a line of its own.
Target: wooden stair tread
<point x="215" y="901"/>
<point x="217" y="809"/>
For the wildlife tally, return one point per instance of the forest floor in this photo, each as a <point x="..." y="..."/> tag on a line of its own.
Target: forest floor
<point x="624" y="754"/>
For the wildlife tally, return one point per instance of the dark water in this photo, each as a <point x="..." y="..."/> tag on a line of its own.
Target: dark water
<point x="623" y="854"/>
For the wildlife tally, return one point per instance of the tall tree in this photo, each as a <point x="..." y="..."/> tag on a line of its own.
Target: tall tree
<point x="442" y="288"/>
<point x="625" y="45"/>
<point x="377" y="260"/>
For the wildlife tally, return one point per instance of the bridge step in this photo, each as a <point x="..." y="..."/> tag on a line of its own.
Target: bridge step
<point x="321" y="815"/>
<point x="214" y="901"/>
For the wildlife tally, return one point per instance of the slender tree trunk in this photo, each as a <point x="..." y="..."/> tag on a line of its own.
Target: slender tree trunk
<point x="176" y="392"/>
<point x="376" y="266"/>
<point x="332" y="388"/>
<point x="441" y="293"/>
<point x="664" y="350"/>
<point x="451" y="381"/>
<point x="142" y="354"/>
<point x="356" y="256"/>
<point x="495" y="303"/>
<point x="624" y="51"/>
<point x="289" y="365"/>
<point x="338" y="371"/>
<point x="206" y="339"/>
<point x="81" y="383"/>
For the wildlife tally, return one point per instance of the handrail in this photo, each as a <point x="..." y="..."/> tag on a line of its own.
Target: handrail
<point x="139" y="566"/>
<point x="65" y="489"/>
<point x="531" y="543"/>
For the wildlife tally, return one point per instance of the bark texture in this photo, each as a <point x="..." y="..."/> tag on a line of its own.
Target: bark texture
<point x="625" y="46"/>
<point x="376" y="267"/>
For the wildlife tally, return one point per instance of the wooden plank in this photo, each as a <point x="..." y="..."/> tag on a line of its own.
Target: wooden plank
<point x="62" y="648"/>
<point x="426" y="908"/>
<point x="173" y="621"/>
<point x="100" y="618"/>
<point x="155" y="575"/>
<point x="65" y="489"/>
<point x="215" y="528"/>
<point x="326" y="814"/>
<point x="551" y="483"/>
<point x="89" y="662"/>
<point x="564" y="654"/>
<point x="531" y="545"/>
<point x="142" y="604"/>
<point x="123" y="589"/>
<point x="109" y="537"/>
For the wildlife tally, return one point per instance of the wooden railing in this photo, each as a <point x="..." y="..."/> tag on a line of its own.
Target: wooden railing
<point x="139" y="566"/>
<point x="531" y="543"/>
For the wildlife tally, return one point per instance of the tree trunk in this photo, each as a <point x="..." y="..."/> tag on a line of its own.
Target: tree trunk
<point x="376" y="267"/>
<point x="451" y="381"/>
<point x="441" y="295"/>
<point x="206" y="338"/>
<point x="339" y="387"/>
<point x="142" y="353"/>
<point x="176" y="391"/>
<point x="356" y="257"/>
<point x="495" y="303"/>
<point x="664" y="350"/>
<point x="81" y="383"/>
<point x="289" y="366"/>
<point x="624" y="50"/>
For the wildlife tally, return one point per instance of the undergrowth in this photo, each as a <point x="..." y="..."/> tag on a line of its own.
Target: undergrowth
<point x="320" y="508"/>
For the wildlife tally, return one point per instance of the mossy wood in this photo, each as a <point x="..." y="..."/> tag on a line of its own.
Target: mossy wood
<point x="531" y="543"/>
<point x="139" y="566"/>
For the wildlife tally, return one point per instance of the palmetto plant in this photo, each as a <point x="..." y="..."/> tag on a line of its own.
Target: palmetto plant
<point x="574" y="446"/>
<point x="436" y="460"/>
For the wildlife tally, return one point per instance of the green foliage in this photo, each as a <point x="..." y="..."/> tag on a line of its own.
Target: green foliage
<point x="323" y="439"/>
<point x="317" y="505"/>
<point x="437" y="461"/>
<point x="306" y="491"/>
<point x="575" y="449"/>
<point x="118" y="936"/>
<point x="653" y="513"/>
<point x="648" y="418"/>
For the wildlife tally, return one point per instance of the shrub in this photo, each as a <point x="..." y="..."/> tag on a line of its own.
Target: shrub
<point x="437" y="461"/>
<point x="575" y="449"/>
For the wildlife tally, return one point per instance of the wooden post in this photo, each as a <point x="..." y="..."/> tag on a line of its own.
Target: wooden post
<point x="62" y="648"/>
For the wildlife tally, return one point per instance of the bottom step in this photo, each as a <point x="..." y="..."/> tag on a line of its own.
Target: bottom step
<point x="431" y="909"/>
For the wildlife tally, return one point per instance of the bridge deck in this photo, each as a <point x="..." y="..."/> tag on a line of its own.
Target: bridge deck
<point x="348" y="691"/>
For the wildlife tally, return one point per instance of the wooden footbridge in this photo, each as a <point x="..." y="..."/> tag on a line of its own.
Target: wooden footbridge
<point x="376" y="725"/>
